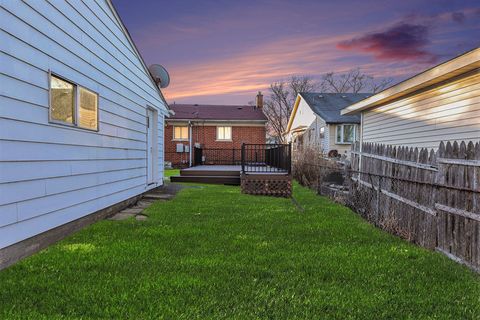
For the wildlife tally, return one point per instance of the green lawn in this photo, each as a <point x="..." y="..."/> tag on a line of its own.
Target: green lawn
<point x="215" y="253"/>
<point x="171" y="172"/>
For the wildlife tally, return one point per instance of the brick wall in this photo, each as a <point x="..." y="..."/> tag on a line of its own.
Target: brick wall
<point x="206" y="136"/>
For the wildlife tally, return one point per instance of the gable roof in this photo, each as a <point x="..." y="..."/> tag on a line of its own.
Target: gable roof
<point x="137" y="53"/>
<point x="466" y="62"/>
<point x="216" y="112"/>
<point x="328" y="105"/>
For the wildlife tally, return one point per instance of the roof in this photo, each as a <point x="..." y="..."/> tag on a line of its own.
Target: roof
<point x="216" y="112"/>
<point x="466" y="62"/>
<point x="328" y="105"/>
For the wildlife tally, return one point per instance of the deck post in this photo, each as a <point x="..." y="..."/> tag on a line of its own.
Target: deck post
<point x="243" y="157"/>
<point x="289" y="157"/>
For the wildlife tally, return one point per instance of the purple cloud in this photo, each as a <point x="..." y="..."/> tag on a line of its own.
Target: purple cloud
<point x="458" y="17"/>
<point x="403" y="41"/>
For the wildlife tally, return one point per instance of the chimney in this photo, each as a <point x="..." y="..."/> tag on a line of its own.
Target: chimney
<point x="259" y="100"/>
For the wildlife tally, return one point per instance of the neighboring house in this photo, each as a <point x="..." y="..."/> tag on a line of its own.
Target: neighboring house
<point x="316" y="121"/>
<point x="212" y="127"/>
<point x="439" y="104"/>
<point x="81" y="119"/>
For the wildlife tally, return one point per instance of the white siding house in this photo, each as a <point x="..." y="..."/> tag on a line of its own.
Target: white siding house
<point x="440" y="104"/>
<point x="75" y="99"/>
<point x="316" y="121"/>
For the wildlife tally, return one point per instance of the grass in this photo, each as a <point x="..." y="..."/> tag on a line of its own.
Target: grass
<point x="171" y="172"/>
<point x="215" y="253"/>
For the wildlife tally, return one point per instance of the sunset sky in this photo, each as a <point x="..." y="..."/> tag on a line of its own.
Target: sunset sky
<point x="223" y="52"/>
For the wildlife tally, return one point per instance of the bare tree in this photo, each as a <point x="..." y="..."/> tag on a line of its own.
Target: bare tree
<point x="279" y="105"/>
<point x="354" y="81"/>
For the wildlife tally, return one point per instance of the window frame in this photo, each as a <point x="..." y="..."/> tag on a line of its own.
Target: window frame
<point x="181" y="139"/>
<point x="342" y="131"/>
<point x="76" y="103"/>
<point x="226" y="140"/>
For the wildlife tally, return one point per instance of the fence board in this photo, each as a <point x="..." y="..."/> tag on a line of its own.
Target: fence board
<point x="395" y="186"/>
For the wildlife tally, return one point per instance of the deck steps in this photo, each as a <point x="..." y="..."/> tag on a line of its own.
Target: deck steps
<point x="215" y="179"/>
<point x="210" y="173"/>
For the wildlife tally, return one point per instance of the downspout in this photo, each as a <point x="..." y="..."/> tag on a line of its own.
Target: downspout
<point x="190" y="143"/>
<point x="361" y="145"/>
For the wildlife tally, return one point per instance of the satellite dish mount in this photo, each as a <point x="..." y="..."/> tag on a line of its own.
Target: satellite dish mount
<point x="160" y="75"/>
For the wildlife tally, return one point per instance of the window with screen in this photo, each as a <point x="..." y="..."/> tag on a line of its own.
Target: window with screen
<point x="72" y="104"/>
<point x="87" y="109"/>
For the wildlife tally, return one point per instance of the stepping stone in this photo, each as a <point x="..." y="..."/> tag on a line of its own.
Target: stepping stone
<point x="121" y="216"/>
<point x="158" y="196"/>
<point x="132" y="210"/>
<point x="141" y="217"/>
<point x="143" y="204"/>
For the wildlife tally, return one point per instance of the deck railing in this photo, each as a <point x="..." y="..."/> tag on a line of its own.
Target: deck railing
<point x="266" y="158"/>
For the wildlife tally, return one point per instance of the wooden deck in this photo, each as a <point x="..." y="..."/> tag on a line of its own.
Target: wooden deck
<point x="221" y="174"/>
<point x="217" y="174"/>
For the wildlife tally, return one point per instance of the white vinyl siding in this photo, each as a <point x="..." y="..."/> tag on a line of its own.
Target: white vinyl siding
<point x="51" y="174"/>
<point x="443" y="113"/>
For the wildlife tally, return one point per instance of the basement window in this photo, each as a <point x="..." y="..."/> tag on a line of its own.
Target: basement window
<point x="180" y="133"/>
<point x="73" y="105"/>
<point x="224" y="133"/>
<point x="345" y="134"/>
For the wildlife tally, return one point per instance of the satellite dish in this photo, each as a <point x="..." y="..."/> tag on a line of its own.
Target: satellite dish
<point x="160" y="75"/>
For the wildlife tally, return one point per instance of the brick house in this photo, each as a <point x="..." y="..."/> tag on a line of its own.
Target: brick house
<point x="219" y="130"/>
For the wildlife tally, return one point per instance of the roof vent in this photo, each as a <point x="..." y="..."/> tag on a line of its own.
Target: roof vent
<point x="320" y="96"/>
<point x="239" y="108"/>
<point x="344" y="96"/>
<point x="196" y="104"/>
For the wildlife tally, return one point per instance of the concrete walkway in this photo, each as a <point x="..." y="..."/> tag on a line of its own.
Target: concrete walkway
<point x="163" y="193"/>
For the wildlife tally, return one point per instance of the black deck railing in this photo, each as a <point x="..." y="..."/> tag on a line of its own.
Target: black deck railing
<point x="266" y="158"/>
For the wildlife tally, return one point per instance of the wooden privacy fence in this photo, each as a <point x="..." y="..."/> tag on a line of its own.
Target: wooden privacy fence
<point x="430" y="198"/>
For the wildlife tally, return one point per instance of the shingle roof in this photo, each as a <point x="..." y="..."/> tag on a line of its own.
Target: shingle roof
<point x="216" y="112"/>
<point x="329" y="105"/>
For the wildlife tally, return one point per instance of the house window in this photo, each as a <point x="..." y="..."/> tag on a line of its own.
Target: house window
<point x="72" y="104"/>
<point x="224" y="133"/>
<point x="345" y="133"/>
<point x="322" y="132"/>
<point x="180" y="132"/>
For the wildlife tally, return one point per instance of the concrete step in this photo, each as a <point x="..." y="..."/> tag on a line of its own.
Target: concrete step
<point x="158" y="196"/>
<point x="230" y="180"/>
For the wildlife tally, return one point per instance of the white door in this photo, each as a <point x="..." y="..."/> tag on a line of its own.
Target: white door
<point x="151" y="139"/>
